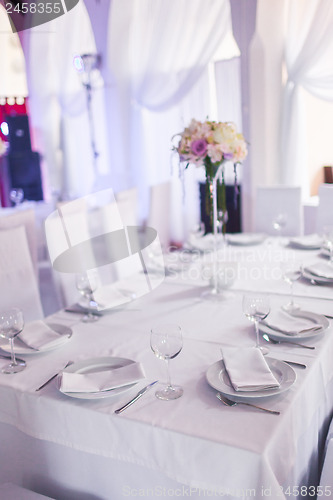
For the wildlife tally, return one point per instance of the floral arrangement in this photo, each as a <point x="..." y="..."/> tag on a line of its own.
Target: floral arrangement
<point x="2" y="147"/>
<point x="209" y="144"/>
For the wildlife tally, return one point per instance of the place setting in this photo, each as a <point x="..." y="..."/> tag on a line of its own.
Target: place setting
<point x="35" y="337"/>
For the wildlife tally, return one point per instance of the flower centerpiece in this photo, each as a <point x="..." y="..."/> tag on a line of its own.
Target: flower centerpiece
<point x="210" y="144"/>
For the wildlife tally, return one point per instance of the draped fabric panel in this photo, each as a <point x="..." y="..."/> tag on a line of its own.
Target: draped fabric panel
<point x="58" y="105"/>
<point x="158" y="51"/>
<point x="309" y="62"/>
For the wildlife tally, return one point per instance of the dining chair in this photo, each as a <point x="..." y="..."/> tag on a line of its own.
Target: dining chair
<point x="278" y="207"/>
<point x="325" y="207"/>
<point x="27" y="219"/>
<point x="159" y="212"/>
<point x="17" y="277"/>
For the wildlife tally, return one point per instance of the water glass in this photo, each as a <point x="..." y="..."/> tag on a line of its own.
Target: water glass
<point x="166" y="342"/>
<point x="11" y="324"/>
<point x="256" y="308"/>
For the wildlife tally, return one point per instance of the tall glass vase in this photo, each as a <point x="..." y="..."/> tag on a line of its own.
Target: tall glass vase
<point x="216" y="204"/>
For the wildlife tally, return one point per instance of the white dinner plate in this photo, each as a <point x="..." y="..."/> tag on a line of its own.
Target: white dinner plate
<point x="318" y="279"/>
<point x="245" y="239"/>
<point x="308" y="242"/>
<point x="20" y="348"/>
<point x="97" y="365"/>
<point x="218" y="378"/>
<point x="314" y="319"/>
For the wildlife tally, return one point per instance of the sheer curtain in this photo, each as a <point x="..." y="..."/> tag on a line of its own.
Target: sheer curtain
<point x="57" y="99"/>
<point x="309" y="63"/>
<point x="158" y="50"/>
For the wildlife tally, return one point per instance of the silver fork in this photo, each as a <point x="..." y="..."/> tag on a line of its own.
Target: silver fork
<point x="228" y="402"/>
<point x="269" y="339"/>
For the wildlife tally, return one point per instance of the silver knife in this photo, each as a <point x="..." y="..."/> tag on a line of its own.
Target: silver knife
<point x="138" y="396"/>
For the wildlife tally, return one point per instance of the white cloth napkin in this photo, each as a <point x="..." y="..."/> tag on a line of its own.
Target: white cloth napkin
<point x="291" y="325"/>
<point x="248" y="369"/>
<point x="307" y="241"/>
<point x="245" y="238"/>
<point x="38" y="335"/>
<point x="202" y="243"/>
<point x="321" y="269"/>
<point x="102" y="381"/>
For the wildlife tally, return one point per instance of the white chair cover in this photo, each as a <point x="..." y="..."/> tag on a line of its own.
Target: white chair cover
<point x="27" y="219"/>
<point x="159" y="212"/>
<point x="325" y="207"/>
<point x="273" y="201"/>
<point x="17" y="278"/>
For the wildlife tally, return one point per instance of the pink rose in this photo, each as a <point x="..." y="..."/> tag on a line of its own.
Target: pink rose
<point x="199" y="147"/>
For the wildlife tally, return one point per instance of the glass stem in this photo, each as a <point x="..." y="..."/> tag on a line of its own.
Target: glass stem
<point x="168" y="373"/>
<point x="292" y="293"/>
<point x="12" y="353"/>
<point x="256" y="326"/>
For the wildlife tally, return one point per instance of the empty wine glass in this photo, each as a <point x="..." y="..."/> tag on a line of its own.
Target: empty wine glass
<point x="11" y="324"/>
<point x="166" y="342"/>
<point x="328" y="241"/>
<point x="291" y="272"/>
<point x="256" y="307"/>
<point x="86" y="283"/>
<point x="279" y="223"/>
<point x="16" y="195"/>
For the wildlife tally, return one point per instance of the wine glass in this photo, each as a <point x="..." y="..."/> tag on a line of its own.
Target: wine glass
<point x="16" y="195"/>
<point x="166" y="342"/>
<point x="256" y="307"/>
<point x="86" y="285"/>
<point x="291" y="272"/>
<point x="279" y="222"/>
<point x="328" y="241"/>
<point x="11" y="324"/>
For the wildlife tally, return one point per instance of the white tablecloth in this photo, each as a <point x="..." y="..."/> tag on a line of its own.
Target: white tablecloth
<point x="194" y="442"/>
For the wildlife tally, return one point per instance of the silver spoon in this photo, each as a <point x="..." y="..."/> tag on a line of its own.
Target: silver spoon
<point x="269" y="339"/>
<point x="228" y="402"/>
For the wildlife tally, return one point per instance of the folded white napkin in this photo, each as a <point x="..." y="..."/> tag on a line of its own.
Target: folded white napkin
<point x="102" y="381"/>
<point x="291" y="325"/>
<point x="321" y="269"/>
<point x="309" y="240"/>
<point x="248" y="369"/>
<point x="201" y="243"/>
<point x="245" y="238"/>
<point x="38" y="335"/>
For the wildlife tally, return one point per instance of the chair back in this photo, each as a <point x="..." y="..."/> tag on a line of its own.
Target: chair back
<point x="159" y="212"/>
<point x="274" y="204"/>
<point x="17" y="277"/>
<point x="26" y="218"/>
<point x="325" y="207"/>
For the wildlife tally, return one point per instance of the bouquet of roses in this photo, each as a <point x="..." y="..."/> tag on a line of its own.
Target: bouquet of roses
<point x="209" y="144"/>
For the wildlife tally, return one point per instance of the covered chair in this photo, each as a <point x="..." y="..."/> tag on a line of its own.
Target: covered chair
<point x="276" y="207"/>
<point x="325" y="207"/>
<point x="17" y="276"/>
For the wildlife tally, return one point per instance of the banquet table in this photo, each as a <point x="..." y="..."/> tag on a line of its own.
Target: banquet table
<point x="72" y="448"/>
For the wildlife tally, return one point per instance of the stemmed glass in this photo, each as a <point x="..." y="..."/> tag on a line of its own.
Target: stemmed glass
<point x="86" y="285"/>
<point x="11" y="324"/>
<point x="328" y="241"/>
<point x="279" y="222"/>
<point x="291" y="272"/>
<point x="16" y="195"/>
<point x="166" y="342"/>
<point x="256" y="307"/>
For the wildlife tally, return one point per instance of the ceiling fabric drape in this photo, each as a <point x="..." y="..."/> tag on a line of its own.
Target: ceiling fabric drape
<point x="157" y="52"/>
<point x="309" y="63"/>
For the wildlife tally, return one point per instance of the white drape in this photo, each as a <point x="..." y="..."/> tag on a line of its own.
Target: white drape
<point x="309" y="62"/>
<point x="158" y="50"/>
<point x="57" y="101"/>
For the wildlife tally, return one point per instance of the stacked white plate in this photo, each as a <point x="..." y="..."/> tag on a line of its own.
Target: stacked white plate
<point x="307" y="242"/>
<point x="321" y="272"/>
